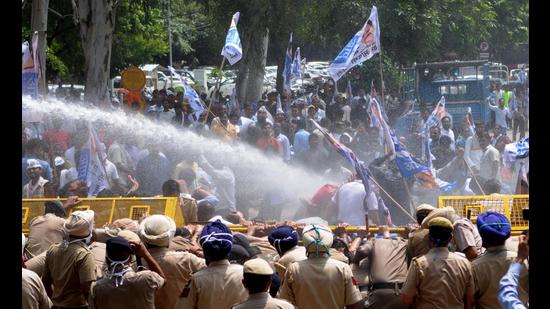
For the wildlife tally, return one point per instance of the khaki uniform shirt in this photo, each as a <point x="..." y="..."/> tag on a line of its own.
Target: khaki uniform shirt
<point x="298" y="253"/>
<point x="218" y="286"/>
<point x="188" y="209"/>
<point x="419" y="243"/>
<point x="439" y="279"/>
<point x="178" y="267"/>
<point x="263" y="300"/>
<point x="44" y="231"/>
<point x="387" y="259"/>
<point x="37" y="263"/>
<point x="179" y="243"/>
<point x="320" y="282"/>
<point x="98" y="250"/>
<point x="489" y="268"/>
<point x="137" y="291"/>
<point x="466" y="235"/>
<point x="68" y="268"/>
<point x="33" y="293"/>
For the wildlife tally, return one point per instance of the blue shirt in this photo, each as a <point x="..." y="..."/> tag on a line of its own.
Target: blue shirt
<point x="46" y="170"/>
<point x="301" y="142"/>
<point x="508" y="288"/>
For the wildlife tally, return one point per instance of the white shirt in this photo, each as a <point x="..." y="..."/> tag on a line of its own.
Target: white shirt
<point x="500" y="115"/>
<point x="112" y="173"/>
<point x="283" y="140"/>
<point x="349" y="201"/>
<point x="449" y="133"/>
<point x="488" y="159"/>
<point x="472" y="151"/>
<point x="347" y="111"/>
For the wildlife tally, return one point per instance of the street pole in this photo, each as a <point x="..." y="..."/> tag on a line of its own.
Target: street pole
<point x="381" y="78"/>
<point x="170" y="42"/>
<point x="39" y="23"/>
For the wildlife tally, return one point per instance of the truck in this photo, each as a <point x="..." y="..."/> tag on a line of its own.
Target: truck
<point x="464" y="84"/>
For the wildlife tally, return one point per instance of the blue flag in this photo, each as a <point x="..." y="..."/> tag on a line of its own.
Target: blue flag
<point x="297" y="65"/>
<point x="232" y="49"/>
<point x="288" y="64"/>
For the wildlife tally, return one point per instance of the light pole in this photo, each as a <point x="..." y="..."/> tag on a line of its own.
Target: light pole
<point x="170" y="40"/>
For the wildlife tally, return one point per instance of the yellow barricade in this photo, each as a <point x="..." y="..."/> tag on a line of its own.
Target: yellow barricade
<point x="108" y="210"/>
<point x="509" y="205"/>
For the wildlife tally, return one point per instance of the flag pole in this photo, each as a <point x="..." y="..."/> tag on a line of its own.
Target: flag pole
<point x="411" y="202"/>
<point x="381" y="77"/>
<point x="216" y="90"/>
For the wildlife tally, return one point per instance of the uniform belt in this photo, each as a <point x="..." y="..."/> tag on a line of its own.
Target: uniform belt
<point x="386" y="285"/>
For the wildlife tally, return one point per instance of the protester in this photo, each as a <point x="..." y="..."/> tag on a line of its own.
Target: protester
<point x="35" y="187"/>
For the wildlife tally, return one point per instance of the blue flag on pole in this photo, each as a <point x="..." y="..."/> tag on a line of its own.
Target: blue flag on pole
<point x="297" y="65"/>
<point x="232" y="49"/>
<point x="288" y="64"/>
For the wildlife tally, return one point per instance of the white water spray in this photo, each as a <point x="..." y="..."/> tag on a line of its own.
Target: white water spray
<point x="246" y="162"/>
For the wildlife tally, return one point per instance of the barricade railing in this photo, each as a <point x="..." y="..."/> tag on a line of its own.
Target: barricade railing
<point x="509" y="205"/>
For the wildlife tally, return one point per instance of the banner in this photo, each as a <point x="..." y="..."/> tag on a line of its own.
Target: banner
<point x="232" y="50"/>
<point x="90" y="166"/>
<point x="191" y="94"/>
<point x="362" y="46"/>
<point x="296" y="71"/>
<point x="288" y="64"/>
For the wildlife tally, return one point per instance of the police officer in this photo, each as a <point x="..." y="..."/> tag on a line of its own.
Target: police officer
<point x="319" y="281"/>
<point x="122" y="287"/>
<point x="466" y="238"/>
<point x="387" y="269"/>
<point x="439" y="279"/>
<point x="69" y="266"/>
<point x="220" y="284"/>
<point x="285" y="240"/>
<point x="419" y="243"/>
<point x="257" y="276"/>
<point x="490" y="267"/>
<point x="156" y="231"/>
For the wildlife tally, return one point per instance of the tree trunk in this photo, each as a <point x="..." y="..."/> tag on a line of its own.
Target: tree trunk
<point x="39" y="22"/>
<point x="97" y="24"/>
<point x="255" y="40"/>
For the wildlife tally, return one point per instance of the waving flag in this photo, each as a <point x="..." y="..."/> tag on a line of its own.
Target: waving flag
<point x="90" y="166"/>
<point x="433" y="120"/>
<point x="297" y="65"/>
<point x="191" y="94"/>
<point x="349" y="155"/>
<point x="288" y="64"/>
<point x="362" y="46"/>
<point x="232" y="49"/>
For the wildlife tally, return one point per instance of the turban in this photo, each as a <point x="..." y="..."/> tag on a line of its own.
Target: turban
<point x="216" y="239"/>
<point x="129" y="236"/>
<point x="317" y="238"/>
<point x="125" y="224"/>
<point x="117" y="244"/>
<point x="79" y="223"/>
<point x="446" y="212"/>
<point x="157" y="230"/>
<point x="493" y="227"/>
<point x="422" y="207"/>
<point x="283" y="238"/>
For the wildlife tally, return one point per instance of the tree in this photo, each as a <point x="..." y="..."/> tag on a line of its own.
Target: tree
<point x="96" y="19"/>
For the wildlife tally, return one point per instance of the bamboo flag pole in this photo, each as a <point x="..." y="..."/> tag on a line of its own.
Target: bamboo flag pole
<point x="216" y="90"/>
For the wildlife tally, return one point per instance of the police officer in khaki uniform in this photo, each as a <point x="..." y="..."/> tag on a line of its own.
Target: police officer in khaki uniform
<point x="285" y="240"/>
<point x="319" y="281"/>
<point x="439" y="279"/>
<point x="419" y="243"/>
<point x="70" y="266"/>
<point x="220" y="284"/>
<point x="257" y="279"/>
<point x="156" y="231"/>
<point x="122" y="287"/>
<point x="33" y="293"/>
<point x="491" y="266"/>
<point x="46" y="230"/>
<point x="387" y="269"/>
<point x="466" y="238"/>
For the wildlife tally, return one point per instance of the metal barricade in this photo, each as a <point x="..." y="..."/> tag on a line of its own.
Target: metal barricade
<point x="509" y="205"/>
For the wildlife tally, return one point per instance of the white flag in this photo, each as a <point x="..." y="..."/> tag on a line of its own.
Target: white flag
<point x="232" y="49"/>
<point x="190" y="93"/>
<point x="364" y="44"/>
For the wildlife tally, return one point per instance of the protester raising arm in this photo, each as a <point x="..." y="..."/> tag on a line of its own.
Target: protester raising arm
<point x="508" y="288"/>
